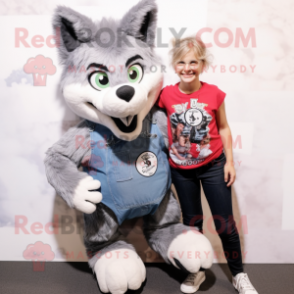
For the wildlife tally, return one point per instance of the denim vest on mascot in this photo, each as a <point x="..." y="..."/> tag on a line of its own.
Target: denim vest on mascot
<point x="132" y="173"/>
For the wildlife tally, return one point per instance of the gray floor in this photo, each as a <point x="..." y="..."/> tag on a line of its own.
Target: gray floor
<point x="71" y="278"/>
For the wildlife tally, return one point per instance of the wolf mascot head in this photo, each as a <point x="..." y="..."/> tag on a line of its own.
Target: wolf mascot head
<point x="111" y="74"/>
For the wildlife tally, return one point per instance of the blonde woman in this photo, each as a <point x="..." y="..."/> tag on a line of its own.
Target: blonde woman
<point x="201" y="109"/>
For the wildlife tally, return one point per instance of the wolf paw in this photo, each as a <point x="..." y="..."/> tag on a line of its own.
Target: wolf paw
<point x="120" y="270"/>
<point x="84" y="199"/>
<point x="190" y="251"/>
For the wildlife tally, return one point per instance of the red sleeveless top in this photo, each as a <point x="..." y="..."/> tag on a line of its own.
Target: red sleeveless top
<point x="193" y="134"/>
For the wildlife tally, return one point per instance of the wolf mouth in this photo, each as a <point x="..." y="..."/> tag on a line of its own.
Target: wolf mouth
<point x="121" y="125"/>
<point x="126" y="125"/>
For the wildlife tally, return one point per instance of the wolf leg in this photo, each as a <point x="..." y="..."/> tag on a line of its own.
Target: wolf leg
<point x="178" y="244"/>
<point x="116" y="264"/>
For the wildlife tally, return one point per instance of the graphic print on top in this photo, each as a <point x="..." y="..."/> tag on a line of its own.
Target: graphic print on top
<point x="190" y="126"/>
<point x="192" y="130"/>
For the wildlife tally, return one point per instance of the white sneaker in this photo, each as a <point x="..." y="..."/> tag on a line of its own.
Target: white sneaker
<point x="193" y="282"/>
<point x="243" y="285"/>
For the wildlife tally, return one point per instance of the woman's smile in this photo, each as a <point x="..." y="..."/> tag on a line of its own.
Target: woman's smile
<point x="188" y="75"/>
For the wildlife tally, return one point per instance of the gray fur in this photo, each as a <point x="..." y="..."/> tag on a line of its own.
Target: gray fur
<point x="126" y="42"/>
<point x="101" y="233"/>
<point x="100" y="227"/>
<point x="62" y="161"/>
<point x="118" y="245"/>
<point x="66" y="19"/>
<point x="161" y="228"/>
<point x="134" y="21"/>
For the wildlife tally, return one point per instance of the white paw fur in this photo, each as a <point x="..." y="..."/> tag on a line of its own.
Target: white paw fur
<point x="84" y="199"/>
<point x="119" y="270"/>
<point x="192" y="249"/>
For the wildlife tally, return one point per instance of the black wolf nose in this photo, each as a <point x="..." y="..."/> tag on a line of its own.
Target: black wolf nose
<point x="125" y="93"/>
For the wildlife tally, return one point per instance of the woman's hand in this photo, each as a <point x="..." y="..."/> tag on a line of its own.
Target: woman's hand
<point x="230" y="173"/>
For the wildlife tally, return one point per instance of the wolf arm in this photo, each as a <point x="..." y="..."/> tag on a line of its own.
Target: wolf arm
<point x="61" y="165"/>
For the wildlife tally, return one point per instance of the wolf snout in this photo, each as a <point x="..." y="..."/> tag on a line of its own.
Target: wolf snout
<point x="125" y="93"/>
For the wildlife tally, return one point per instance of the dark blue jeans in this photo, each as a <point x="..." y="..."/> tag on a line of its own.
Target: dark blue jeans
<point x="218" y="195"/>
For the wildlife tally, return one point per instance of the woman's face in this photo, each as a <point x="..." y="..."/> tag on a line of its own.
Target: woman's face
<point x="188" y="68"/>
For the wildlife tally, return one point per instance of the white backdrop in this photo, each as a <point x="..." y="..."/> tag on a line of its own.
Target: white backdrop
<point x="252" y="44"/>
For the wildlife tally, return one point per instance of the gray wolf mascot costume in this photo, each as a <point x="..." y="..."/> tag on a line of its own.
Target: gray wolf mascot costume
<point x="123" y="140"/>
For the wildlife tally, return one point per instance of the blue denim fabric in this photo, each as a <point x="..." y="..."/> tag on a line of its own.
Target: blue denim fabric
<point x="218" y="195"/>
<point x="125" y="191"/>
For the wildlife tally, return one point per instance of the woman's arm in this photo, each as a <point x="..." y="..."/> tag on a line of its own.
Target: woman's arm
<point x="226" y="136"/>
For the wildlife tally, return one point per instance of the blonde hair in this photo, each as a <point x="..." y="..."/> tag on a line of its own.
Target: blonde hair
<point x="181" y="47"/>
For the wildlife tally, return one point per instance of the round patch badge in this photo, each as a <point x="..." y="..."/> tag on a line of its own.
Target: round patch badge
<point x="193" y="117"/>
<point x="146" y="164"/>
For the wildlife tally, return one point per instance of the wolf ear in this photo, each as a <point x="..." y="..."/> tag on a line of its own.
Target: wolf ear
<point x="71" y="29"/>
<point x="140" y="21"/>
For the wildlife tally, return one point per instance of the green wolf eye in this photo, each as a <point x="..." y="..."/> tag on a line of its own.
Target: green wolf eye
<point x="135" y="73"/>
<point x="99" y="80"/>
